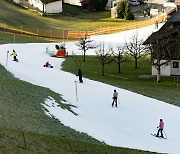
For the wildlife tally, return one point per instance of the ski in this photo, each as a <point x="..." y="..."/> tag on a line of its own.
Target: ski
<point x="158" y="136"/>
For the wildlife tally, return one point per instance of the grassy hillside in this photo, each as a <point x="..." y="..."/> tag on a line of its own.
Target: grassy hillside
<point x="129" y="78"/>
<point x="6" y="38"/>
<point x="21" y="108"/>
<point x="72" y="18"/>
<point x="12" y="141"/>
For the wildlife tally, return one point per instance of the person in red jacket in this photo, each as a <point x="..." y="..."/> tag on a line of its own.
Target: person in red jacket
<point x="47" y="64"/>
<point x="161" y="127"/>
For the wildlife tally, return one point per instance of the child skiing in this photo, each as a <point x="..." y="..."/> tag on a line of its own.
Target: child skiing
<point x="14" y="55"/>
<point x="115" y="95"/>
<point x="161" y="127"/>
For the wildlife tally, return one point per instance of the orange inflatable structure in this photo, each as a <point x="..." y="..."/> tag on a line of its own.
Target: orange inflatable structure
<point x="61" y="53"/>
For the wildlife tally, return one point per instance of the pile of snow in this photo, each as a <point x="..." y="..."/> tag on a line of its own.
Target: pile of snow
<point x="130" y="125"/>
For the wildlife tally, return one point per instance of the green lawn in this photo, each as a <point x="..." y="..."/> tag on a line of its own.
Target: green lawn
<point x="129" y="78"/>
<point x="72" y="18"/>
<point x="12" y="142"/>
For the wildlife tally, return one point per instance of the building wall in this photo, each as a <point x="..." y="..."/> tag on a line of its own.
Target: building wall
<point x="54" y="7"/>
<point x="168" y="70"/>
<point x="36" y="3"/>
<point x="17" y="1"/>
<point x="175" y="71"/>
<point x="110" y="4"/>
<point x="113" y="12"/>
<point x="165" y="70"/>
<point x="73" y="2"/>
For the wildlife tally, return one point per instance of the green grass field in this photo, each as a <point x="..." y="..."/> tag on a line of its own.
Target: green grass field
<point x="72" y="18"/>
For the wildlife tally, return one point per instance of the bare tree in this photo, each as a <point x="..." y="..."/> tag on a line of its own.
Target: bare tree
<point x="119" y="57"/>
<point x="105" y="56"/>
<point x="135" y="48"/>
<point x="163" y="48"/>
<point x="85" y="44"/>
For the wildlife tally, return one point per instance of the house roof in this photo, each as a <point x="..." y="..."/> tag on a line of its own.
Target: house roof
<point x="175" y="18"/>
<point x="170" y="30"/>
<point x="171" y="27"/>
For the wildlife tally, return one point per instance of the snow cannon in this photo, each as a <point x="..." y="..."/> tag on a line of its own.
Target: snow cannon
<point x="61" y="51"/>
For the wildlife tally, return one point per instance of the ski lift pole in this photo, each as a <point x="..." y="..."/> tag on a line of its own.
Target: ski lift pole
<point x="7" y="58"/>
<point x="76" y="90"/>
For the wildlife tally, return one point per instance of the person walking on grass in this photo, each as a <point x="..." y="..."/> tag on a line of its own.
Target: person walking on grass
<point x="14" y="55"/>
<point x="161" y="127"/>
<point x="115" y="97"/>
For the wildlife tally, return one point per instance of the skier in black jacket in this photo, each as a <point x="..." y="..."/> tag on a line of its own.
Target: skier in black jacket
<point x="80" y="75"/>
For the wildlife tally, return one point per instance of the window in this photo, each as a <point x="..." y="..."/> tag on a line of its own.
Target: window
<point x="175" y="64"/>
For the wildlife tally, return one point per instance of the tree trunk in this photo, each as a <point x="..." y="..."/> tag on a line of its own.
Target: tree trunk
<point x="119" y="67"/>
<point x="136" y="64"/>
<point x="84" y="56"/>
<point x="102" y="69"/>
<point x="158" y="74"/>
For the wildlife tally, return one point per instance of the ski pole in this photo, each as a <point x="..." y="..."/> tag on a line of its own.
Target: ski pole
<point x="164" y="133"/>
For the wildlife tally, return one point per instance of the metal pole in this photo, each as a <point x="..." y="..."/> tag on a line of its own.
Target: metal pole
<point x="7" y="58"/>
<point x="76" y="90"/>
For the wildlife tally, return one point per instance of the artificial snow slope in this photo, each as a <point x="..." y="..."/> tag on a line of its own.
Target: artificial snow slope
<point x="129" y="125"/>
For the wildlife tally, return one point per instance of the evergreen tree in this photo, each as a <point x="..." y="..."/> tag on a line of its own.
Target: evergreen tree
<point x="128" y="13"/>
<point x="121" y="6"/>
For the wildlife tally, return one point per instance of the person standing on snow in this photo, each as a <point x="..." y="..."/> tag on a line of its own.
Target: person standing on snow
<point x="80" y="75"/>
<point x="156" y="24"/>
<point x="161" y="127"/>
<point x="14" y="55"/>
<point x="115" y="96"/>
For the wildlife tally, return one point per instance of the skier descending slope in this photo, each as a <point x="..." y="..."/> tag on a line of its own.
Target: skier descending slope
<point x="14" y="55"/>
<point x="160" y="130"/>
<point x="115" y="95"/>
<point x="161" y="127"/>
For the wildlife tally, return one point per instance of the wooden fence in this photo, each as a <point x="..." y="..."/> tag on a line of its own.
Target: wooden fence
<point x="127" y="26"/>
<point x="74" y="35"/>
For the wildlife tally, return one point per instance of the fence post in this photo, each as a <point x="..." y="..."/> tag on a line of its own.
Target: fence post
<point x="14" y="38"/>
<point x="4" y="26"/>
<point x="50" y="32"/>
<point x="37" y="32"/>
<point x="21" y="30"/>
<point x="63" y="34"/>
